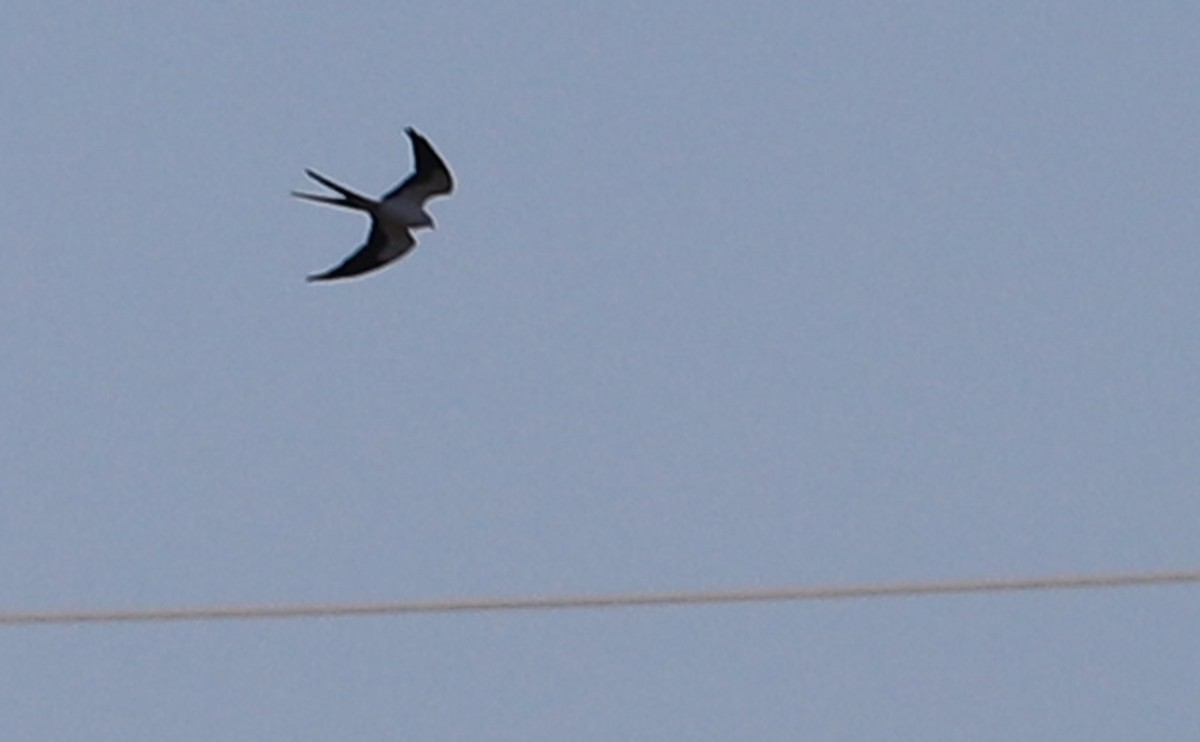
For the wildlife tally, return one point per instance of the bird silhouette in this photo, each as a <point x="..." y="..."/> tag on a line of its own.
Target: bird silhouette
<point x="395" y="217"/>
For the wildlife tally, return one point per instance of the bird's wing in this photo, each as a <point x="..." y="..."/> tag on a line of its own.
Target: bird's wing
<point x="430" y="178"/>
<point x="382" y="247"/>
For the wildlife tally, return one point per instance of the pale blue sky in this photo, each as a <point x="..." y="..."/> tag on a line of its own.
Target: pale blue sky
<point x="730" y="295"/>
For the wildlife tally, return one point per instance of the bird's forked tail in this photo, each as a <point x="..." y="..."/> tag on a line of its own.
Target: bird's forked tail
<point x="348" y="199"/>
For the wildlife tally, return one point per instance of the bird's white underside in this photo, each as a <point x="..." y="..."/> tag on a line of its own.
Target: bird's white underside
<point x="404" y="212"/>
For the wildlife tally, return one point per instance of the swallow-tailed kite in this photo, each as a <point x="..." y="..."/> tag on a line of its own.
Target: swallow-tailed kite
<point x="394" y="217"/>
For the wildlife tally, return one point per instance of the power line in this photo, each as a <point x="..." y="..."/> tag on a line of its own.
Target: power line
<point x="613" y="600"/>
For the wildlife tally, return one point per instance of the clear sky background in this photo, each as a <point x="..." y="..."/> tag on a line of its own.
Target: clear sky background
<point x="729" y="295"/>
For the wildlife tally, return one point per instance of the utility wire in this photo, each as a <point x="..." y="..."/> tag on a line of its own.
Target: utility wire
<point x="613" y="600"/>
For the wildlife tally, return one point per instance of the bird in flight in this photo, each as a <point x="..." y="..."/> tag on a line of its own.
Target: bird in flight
<point x="394" y="217"/>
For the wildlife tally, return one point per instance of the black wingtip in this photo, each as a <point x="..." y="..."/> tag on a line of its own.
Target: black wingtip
<point x="325" y="275"/>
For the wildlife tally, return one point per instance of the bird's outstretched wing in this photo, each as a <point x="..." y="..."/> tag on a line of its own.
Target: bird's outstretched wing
<point x="430" y="177"/>
<point x="381" y="248"/>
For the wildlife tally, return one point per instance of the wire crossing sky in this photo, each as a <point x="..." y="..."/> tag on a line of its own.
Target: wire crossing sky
<point x="617" y="600"/>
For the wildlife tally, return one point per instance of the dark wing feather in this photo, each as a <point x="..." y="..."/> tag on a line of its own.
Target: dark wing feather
<point x="380" y="249"/>
<point x="430" y="178"/>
